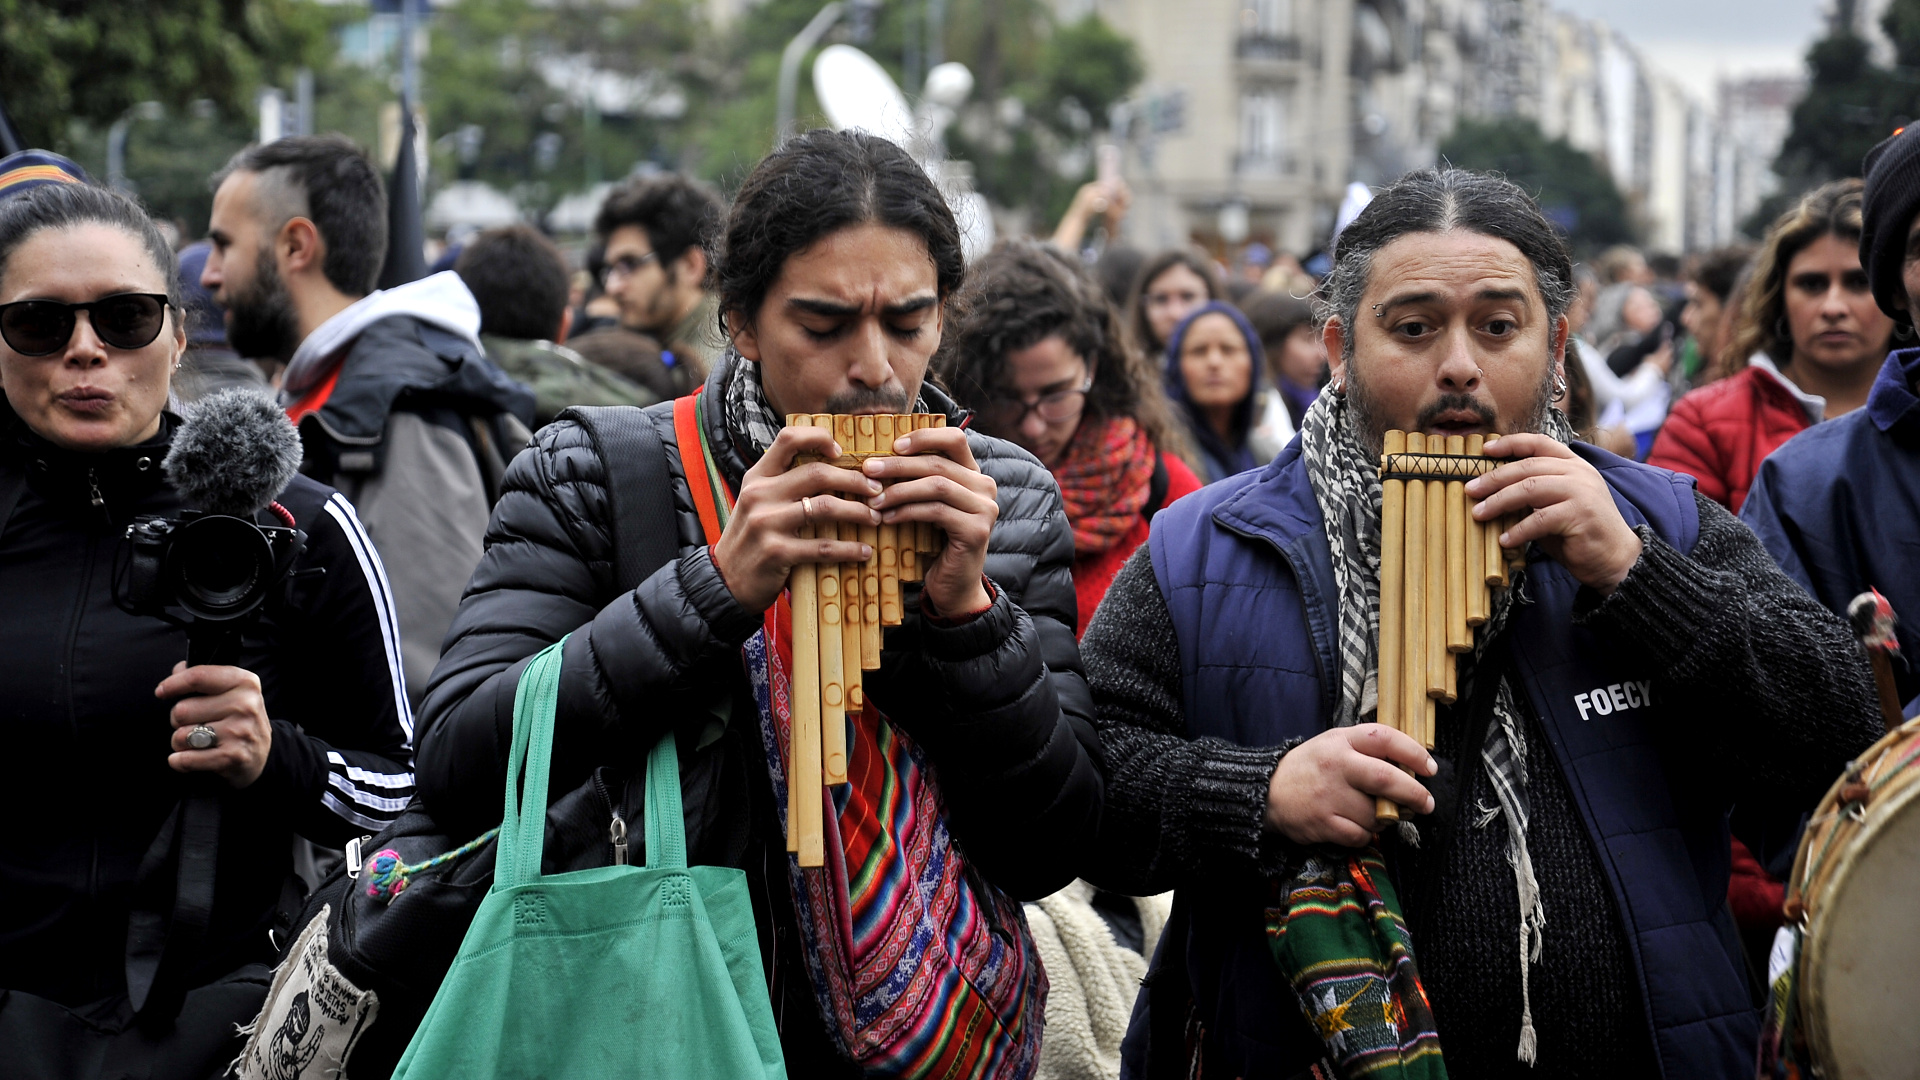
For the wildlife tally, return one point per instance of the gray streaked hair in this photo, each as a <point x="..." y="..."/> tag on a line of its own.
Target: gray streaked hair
<point x="1433" y="201"/>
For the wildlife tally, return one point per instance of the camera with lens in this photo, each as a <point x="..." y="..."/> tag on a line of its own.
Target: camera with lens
<point x="217" y="568"/>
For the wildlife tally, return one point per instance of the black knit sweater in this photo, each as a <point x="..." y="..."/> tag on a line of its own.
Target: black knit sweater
<point x="1729" y="637"/>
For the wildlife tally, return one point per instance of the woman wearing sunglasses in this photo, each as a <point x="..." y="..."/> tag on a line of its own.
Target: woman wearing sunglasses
<point x="1043" y="359"/>
<point x="104" y="727"/>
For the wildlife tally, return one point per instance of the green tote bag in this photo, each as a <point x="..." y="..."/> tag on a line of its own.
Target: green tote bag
<point x="619" y="971"/>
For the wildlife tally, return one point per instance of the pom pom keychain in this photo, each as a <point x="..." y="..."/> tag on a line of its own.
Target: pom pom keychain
<point x="387" y="876"/>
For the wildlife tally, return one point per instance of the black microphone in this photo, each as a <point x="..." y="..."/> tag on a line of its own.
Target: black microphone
<point x="234" y="454"/>
<point x="236" y="451"/>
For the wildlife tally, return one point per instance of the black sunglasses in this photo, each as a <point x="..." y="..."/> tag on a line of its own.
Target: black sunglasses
<point x="123" y="320"/>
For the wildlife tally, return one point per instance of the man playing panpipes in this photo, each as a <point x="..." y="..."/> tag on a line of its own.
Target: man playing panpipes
<point x="972" y="780"/>
<point x="1562" y="873"/>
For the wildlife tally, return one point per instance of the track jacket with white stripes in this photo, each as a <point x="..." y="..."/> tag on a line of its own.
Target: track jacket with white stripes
<point x="88" y="786"/>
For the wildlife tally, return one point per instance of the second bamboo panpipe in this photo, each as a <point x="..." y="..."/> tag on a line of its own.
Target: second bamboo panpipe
<point x="839" y="611"/>
<point x="1438" y="567"/>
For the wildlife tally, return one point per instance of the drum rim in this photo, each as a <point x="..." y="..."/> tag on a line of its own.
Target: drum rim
<point x="1879" y="813"/>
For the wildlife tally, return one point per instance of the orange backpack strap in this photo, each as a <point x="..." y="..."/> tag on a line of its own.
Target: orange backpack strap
<point x="693" y="460"/>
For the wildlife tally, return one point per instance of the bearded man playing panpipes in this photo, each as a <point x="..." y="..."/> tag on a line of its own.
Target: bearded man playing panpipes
<point x="1555" y="902"/>
<point x="972" y="776"/>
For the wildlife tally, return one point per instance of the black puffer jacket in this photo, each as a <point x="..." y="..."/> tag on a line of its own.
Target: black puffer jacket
<point x="1000" y="704"/>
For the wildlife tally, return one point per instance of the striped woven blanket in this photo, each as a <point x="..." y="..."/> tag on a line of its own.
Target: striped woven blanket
<point x="1339" y="938"/>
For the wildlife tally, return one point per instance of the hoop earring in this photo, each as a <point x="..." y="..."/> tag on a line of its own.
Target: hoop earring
<point x="1781" y="332"/>
<point x="1559" y="387"/>
<point x="1902" y="331"/>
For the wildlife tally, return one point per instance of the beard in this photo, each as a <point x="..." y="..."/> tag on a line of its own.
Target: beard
<point x="1370" y="425"/>
<point x="260" y="319"/>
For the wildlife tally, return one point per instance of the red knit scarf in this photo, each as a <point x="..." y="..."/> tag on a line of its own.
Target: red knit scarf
<point x="1105" y="480"/>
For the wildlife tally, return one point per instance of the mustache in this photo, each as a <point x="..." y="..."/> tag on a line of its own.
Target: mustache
<point x="893" y="401"/>
<point x="1456" y="403"/>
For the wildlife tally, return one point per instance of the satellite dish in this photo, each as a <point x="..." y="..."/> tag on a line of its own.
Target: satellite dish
<point x="856" y="92"/>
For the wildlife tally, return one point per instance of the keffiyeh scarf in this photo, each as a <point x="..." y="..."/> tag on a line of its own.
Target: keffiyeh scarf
<point x="749" y="413"/>
<point x="1346" y="485"/>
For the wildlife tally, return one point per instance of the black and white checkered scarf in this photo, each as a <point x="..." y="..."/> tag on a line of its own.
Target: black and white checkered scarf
<point x="1346" y="485"/>
<point x="749" y="414"/>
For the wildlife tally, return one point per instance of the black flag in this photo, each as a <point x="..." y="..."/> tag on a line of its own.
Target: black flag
<point x="406" y="234"/>
<point x="9" y="138"/>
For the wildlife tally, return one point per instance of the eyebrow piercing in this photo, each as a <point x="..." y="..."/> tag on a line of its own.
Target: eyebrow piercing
<point x="1377" y="313"/>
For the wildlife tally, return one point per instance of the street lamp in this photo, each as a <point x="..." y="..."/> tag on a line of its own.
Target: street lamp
<point x="117" y="141"/>
<point x="790" y="58"/>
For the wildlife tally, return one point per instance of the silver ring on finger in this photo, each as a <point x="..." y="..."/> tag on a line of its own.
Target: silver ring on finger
<point x="202" y="737"/>
<point x="806" y="508"/>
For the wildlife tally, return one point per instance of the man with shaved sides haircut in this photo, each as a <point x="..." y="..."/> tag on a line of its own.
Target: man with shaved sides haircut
<point x="397" y="404"/>
<point x="971" y="775"/>
<point x="1554" y="903"/>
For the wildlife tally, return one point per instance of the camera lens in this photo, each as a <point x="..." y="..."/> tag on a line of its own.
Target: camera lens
<point x="221" y="567"/>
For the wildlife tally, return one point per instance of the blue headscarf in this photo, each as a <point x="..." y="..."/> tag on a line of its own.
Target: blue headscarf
<point x="1223" y="458"/>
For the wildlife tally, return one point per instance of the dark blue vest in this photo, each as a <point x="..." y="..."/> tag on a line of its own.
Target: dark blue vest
<point x="1248" y="579"/>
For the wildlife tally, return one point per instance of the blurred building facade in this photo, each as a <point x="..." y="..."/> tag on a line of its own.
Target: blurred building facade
<point x="1257" y="113"/>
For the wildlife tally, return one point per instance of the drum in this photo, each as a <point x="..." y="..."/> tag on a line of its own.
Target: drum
<point x="1856" y="891"/>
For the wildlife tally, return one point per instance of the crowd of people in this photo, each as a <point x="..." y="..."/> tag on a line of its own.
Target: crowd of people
<point x="1131" y="690"/>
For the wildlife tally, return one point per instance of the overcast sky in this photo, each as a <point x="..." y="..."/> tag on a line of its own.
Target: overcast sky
<point x="1698" y="41"/>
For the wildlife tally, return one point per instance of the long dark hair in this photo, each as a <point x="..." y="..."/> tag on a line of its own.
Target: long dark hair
<point x="1160" y="264"/>
<point x="1026" y="291"/>
<point x="1828" y="210"/>
<point x="814" y="185"/>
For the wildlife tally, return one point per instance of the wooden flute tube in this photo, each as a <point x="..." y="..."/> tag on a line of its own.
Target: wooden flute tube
<point x="1438" y="658"/>
<point x="1393" y="550"/>
<point x="1414" y="613"/>
<point x="852" y="639"/>
<point x="910" y="532"/>
<point x="1476" y="554"/>
<point x="923" y="532"/>
<point x="864" y="436"/>
<point x="1459" y="638"/>
<point x="1496" y="556"/>
<point x="804" y="824"/>
<point x="833" y="682"/>
<point x="1393" y="564"/>
<point x="930" y="534"/>
<point x="883" y="436"/>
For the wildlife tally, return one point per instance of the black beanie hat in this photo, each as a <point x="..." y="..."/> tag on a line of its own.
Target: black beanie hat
<point x="1887" y="210"/>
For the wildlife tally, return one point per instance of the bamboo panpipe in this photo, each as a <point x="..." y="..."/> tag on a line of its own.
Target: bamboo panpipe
<point x="1437" y="569"/>
<point x="839" y="612"/>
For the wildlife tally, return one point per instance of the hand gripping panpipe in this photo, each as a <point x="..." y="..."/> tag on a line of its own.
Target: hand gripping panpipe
<point x="839" y="611"/>
<point x="1438" y="570"/>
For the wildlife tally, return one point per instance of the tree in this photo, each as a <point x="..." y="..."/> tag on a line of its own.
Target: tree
<point x="531" y="83"/>
<point x="1040" y="91"/>
<point x="1576" y="191"/>
<point x="1851" y="104"/>
<point x="1043" y="94"/>
<point x="62" y="62"/>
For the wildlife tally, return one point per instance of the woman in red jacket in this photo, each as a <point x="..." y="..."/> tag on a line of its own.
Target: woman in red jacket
<point x="1808" y="344"/>
<point x="1043" y="359"/>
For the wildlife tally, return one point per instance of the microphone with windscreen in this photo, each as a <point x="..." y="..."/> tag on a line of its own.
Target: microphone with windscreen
<point x="214" y="561"/>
